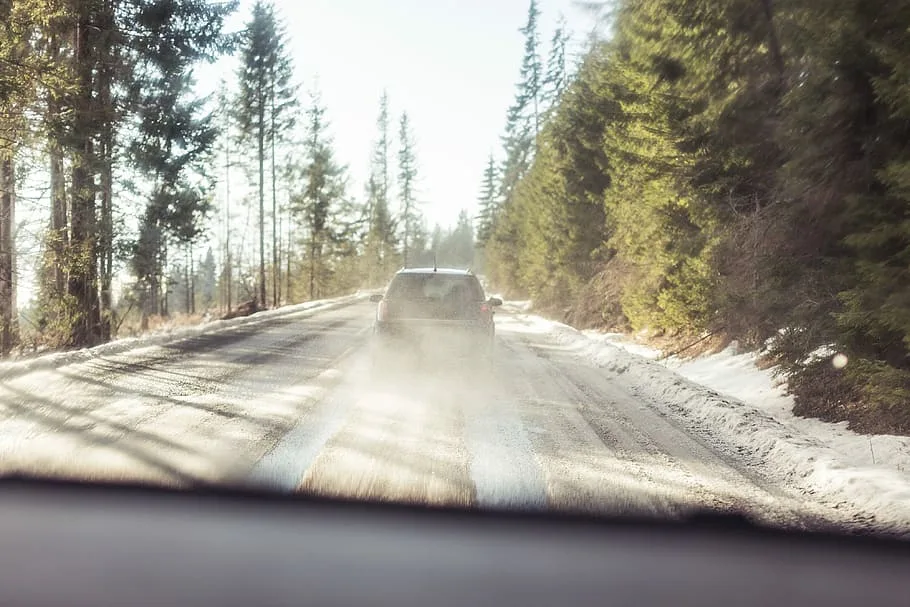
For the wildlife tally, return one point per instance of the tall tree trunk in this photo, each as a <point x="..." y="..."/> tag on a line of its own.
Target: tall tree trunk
<point x="106" y="236"/>
<point x="145" y="296"/>
<point x="227" y="221"/>
<point x="187" y="297"/>
<point x="149" y="303"/>
<point x="407" y="232"/>
<point x="320" y="269"/>
<point x="276" y="264"/>
<point x="154" y="308"/>
<point x="262" y="298"/>
<point x="58" y="237"/>
<point x="278" y="267"/>
<point x="163" y="280"/>
<point x="192" y="281"/>
<point x="106" y="245"/>
<point x="287" y="257"/>
<point x="83" y="275"/>
<point x="229" y="278"/>
<point x="106" y="163"/>
<point x="312" y="267"/>
<point x="7" y="273"/>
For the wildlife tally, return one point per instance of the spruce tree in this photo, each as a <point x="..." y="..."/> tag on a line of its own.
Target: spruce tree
<point x="523" y="118"/>
<point x="17" y="91"/>
<point x="264" y="106"/>
<point x="523" y="123"/>
<point x="556" y="78"/>
<point x="407" y="177"/>
<point x="532" y="76"/>
<point x="488" y="203"/>
<point x="282" y="117"/>
<point x="175" y="135"/>
<point x="380" y="243"/>
<point x="206" y="281"/>
<point x="319" y="201"/>
<point x="224" y="165"/>
<point x="382" y="151"/>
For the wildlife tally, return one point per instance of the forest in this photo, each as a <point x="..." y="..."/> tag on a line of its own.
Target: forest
<point x="729" y="168"/>
<point x="134" y="174"/>
<point x="734" y="168"/>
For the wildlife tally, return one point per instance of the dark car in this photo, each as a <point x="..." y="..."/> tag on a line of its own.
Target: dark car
<point x="428" y="314"/>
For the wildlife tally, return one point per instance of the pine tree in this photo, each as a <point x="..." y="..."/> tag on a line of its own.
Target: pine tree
<point x="556" y="78"/>
<point x="523" y="118"/>
<point x="82" y="285"/>
<point x="323" y="192"/>
<point x="380" y="242"/>
<point x="488" y="203"/>
<point x="89" y="141"/>
<point x="523" y="123"/>
<point x="561" y="221"/>
<point x="176" y="135"/>
<point x="380" y="251"/>
<point x="264" y="109"/>
<point x="381" y="153"/>
<point x="282" y="110"/>
<point x="7" y="252"/>
<point x="517" y="147"/>
<point x="532" y="76"/>
<point x="226" y="162"/>
<point x="54" y="305"/>
<point x="94" y="76"/>
<point x="407" y="177"/>
<point x="732" y="166"/>
<point x="17" y="92"/>
<point x="206" y="281"/>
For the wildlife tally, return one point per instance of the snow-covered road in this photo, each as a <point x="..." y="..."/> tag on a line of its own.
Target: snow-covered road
<point x="290" y="403"/>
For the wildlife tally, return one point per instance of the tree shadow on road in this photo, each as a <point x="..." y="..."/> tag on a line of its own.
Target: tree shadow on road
<point x="94" y="430"/>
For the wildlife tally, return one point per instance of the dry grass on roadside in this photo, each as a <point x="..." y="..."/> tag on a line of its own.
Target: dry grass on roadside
<point x="683" y="344"/>
<point x="131" y="326"/>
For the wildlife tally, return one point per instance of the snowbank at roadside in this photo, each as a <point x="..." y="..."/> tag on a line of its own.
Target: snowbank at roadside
<point x="737" y="374"/>
<point x="167" y="335"/>
<point x="742" y="408"/>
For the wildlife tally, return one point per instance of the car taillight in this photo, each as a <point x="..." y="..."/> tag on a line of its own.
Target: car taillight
<point x="383" y="311"/>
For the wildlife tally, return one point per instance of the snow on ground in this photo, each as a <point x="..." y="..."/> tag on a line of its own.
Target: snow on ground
<point x="166" y="335"/>
<point x="746" y="409"/>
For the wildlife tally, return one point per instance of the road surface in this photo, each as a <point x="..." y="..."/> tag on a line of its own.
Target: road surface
<point x="290" y="404"/>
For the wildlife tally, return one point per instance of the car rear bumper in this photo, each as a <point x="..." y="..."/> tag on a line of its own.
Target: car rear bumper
<point x="443" y="338"/>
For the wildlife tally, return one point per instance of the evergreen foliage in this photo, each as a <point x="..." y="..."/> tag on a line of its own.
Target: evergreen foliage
<point x="732" y="166"/>
<point x="264" y="112"/>
<point x="407" y="181"/>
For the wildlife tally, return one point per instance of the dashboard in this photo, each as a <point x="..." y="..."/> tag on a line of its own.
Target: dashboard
<point x="97" y="545"/>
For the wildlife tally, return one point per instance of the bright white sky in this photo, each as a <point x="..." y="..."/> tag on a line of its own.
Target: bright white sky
<point x="451" y="64"/>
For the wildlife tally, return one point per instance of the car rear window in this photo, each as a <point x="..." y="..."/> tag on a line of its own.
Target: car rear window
<point x="433" y="286"/>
